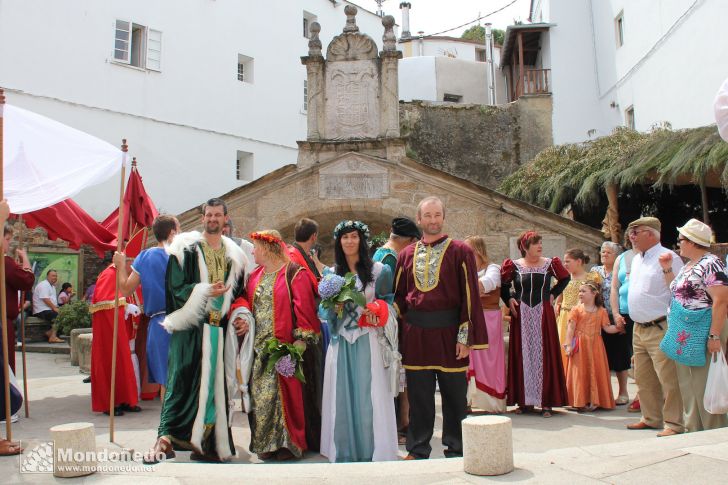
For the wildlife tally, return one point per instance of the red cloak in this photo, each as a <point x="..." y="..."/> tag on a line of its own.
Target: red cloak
<point x="102" y="322"/>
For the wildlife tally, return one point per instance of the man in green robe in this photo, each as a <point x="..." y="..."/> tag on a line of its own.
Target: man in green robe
<point x="205" y="275"/>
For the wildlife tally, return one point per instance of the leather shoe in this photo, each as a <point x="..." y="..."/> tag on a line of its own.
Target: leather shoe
<point x="161" y="448"/>
<point x="639" y="425"/>
<point x="667" y="432"/>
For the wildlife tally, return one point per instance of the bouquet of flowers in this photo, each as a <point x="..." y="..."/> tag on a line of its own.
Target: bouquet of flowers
<point x="334" y="289"/>
<point x="284" y="358"/>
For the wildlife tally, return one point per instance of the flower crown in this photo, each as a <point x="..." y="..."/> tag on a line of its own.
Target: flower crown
<point x="358" y="225"/>
<point x="269" y="238"/>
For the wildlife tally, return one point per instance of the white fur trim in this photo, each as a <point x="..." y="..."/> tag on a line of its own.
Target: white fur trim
<point x="198" y="427"/>
<point x="191" y="312"/>
<point x="221" y="421"/>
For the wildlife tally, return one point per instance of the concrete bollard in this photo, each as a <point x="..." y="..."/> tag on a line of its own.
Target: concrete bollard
<point x="487" y="445"/>
<point x="74" y="343"/>
<point x="75" y="449"/>
<point x="83" y="342"/>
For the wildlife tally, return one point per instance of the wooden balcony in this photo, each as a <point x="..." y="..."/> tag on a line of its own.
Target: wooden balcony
<point x="533" y="81"/>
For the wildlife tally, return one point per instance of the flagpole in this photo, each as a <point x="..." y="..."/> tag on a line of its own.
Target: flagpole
<point x="119" y="237"/>
<point x="3" y="302"/>
<point x="22" y="327"/>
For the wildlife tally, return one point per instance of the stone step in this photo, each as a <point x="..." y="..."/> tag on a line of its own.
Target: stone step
<point x="47" y="348"/>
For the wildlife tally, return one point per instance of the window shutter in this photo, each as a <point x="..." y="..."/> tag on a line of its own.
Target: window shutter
<point x="122" y="37"/>
<point x="154" y="50"/>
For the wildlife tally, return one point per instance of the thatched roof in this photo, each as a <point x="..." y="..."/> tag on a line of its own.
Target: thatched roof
<point x="579" y="172"/>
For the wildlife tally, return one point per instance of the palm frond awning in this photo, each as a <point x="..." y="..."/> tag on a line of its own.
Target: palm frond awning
<point x="579" y="173"/>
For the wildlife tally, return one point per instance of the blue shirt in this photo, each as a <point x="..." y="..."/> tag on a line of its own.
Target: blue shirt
<point x="151" y="266"/>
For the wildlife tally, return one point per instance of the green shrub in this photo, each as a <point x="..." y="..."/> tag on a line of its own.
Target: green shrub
<point x="73" y="315"/>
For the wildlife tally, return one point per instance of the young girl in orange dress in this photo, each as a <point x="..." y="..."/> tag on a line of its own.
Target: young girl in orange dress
<point x="588" y="381"/>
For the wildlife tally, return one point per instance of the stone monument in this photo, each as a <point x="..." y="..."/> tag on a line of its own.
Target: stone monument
<point x="353" y="100"/>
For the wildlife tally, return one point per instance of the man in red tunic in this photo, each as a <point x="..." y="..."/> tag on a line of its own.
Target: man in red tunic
<point x="301" y="251"/>
<point x="102" y="321"/>
<point x="436" y="295"/>
<point x="18" y="278"/>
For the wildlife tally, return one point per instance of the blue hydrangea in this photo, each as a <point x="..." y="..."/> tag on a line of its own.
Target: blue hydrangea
<point x="330" y="286"/>
<point x="286" y="366"/>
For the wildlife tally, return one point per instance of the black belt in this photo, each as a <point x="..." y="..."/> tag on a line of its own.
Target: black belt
<point x="654" y="323"/>
<point x="434" y="319"/>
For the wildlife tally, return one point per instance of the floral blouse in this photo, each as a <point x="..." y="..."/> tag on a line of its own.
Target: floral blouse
<point x="606" y="286"/>
<point x="690" y="285"/>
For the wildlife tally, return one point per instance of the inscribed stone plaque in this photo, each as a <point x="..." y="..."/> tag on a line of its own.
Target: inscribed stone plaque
<point x="352" y="100"/>
<point x="553" y="245"/>
<point x="353" y="178"/>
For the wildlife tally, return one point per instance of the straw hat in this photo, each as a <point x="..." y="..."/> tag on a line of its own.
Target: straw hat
<point x="697" y="232"/>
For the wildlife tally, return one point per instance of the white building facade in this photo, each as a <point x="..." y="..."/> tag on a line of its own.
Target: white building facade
<point x="448" y="69"/>
<point x="210" y="94"/>
<point x="635" y="63"/>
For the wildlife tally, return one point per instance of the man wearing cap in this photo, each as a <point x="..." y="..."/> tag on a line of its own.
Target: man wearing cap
<point x="404" y="232"/>
<point x="436" y="296"/>
<point x="649" y="299"/>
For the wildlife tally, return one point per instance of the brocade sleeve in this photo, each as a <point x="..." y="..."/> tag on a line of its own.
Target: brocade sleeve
<point x="557" y="270"/>
<point x="508" y="270"/>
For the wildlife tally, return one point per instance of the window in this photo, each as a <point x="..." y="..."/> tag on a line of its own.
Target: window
<point x="629" y="118"/>
<point x="137" y="45"/>
<point x="452" y="98"/>
<point x="480" y="55"/>
<point x="308" y="19"/>
<point x="619" y="28"/>
<point x="305" y="95"/>
<point x="244" y="167"/>
<point x="245" y="68"/>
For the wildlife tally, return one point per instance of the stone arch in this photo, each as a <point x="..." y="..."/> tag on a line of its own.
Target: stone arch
<point x="374" y="215"/>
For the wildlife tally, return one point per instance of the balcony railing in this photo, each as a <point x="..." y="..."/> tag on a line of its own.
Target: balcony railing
<point x="533" y="81"/>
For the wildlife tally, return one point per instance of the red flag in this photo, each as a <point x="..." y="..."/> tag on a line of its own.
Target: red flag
<point x="139" y="210"/>
<point x="67" y="221"/>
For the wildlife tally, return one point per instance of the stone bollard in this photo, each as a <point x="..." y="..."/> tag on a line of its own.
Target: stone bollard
<point x="74" y="343"/>
<point x="75" y="449"/>
<point x="487" y="445"/>
<point x="84" y="352"/>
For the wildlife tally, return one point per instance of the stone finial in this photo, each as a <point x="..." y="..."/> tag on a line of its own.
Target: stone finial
<point x="350" y="26"/>
<point x="314" y="43"/>
<point x="389" y="39"/>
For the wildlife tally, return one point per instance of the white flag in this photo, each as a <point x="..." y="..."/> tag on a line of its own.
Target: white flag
<point x="47" y="161"/>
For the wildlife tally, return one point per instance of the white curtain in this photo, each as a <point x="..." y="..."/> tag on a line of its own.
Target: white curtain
<point x="47" y="161"/>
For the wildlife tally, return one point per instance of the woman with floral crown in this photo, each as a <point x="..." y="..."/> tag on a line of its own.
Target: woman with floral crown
<point x="362" y="363"/>
<point x="281" y="297"/>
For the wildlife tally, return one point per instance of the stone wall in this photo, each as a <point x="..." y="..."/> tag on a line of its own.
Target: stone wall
<point x="280" y="199"/>
<point x="479" y="143"/>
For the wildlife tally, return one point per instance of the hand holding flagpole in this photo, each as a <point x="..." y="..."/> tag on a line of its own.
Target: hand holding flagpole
<point x="119" y="237"/>
<point x="3" y="303"/>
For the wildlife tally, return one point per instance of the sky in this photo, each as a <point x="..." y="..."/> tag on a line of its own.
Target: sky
<point x="434" y="16"/>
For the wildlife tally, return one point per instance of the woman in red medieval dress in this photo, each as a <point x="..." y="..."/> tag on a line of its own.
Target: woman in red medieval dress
<point x="282" y="300"/>
<point x="535" y="370"/>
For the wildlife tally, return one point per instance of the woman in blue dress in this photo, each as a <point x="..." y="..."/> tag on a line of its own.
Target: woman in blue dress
<point x="362" y="364"/>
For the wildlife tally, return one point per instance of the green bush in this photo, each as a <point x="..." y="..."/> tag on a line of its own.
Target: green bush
<point x="73" y="315"/>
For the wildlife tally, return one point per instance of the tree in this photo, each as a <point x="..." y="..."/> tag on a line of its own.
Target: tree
<point x="477" y="32"/>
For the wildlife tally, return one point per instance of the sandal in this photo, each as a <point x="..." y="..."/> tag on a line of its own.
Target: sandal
<point x="546" y="412"/>
<point x="523" y="410"/>
<point x="10" y="448"/>
<point x="56" y="340"/>
<point x="621" y="400"/>
<point x="161" y="451"/>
